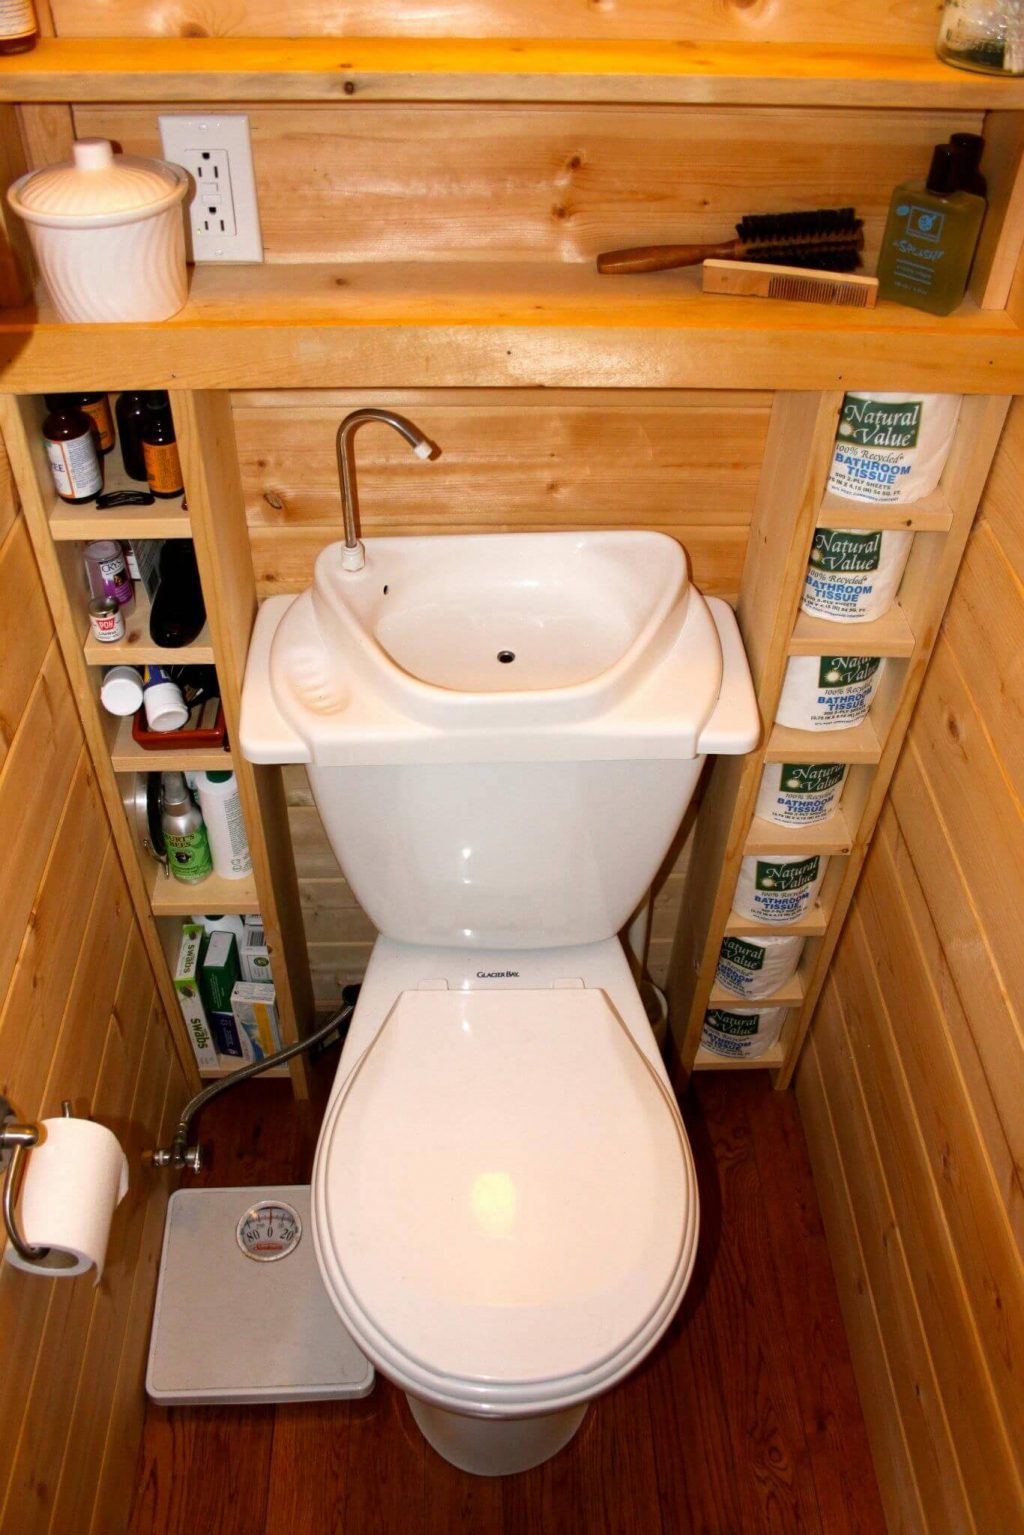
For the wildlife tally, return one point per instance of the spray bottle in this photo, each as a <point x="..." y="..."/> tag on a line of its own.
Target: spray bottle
<point x="188" y="848"/>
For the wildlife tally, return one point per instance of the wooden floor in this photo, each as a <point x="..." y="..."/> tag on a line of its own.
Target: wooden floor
<point x="744" y="1420"/>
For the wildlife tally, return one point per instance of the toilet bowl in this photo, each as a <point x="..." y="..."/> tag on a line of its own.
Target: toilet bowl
<point x="504" y="1203"/>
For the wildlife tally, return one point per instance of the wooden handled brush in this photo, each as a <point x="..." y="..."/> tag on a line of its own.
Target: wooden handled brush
<point x="829" y="239"/>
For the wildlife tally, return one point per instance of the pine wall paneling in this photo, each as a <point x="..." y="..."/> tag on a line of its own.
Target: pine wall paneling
<point x="904" y="22"/>
<point x="912" y="1089"/>
<point x="79" y="1019"/>
<point x="384" y="183"/>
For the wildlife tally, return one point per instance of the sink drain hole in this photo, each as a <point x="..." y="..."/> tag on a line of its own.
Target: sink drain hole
<point x="505" y="656"/>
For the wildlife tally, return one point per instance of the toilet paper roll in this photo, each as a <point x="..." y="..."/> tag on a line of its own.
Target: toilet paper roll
<point x="755" y="967"/>
<point x="852" y="575"/>
<point x="779" y="889"/>
<point x="800" y="793"/>
<point x="828" y="692"/>
<point x="892" y="447"/>
<point x="72" y="1183"/>
<point x="741" y="1032"/>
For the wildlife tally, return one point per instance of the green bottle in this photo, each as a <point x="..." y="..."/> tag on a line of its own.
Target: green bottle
<point x="930" y="238"/>
<point x="188" y="848"/>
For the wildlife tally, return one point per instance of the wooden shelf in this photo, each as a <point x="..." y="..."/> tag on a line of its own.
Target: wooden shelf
<point x="831" y="836"/>
<point x="932" y="514"/>
<point x="169" y="897"/>
<point x="811" y="925"/>
<point x="214" y="1074"/>
<point x="789" y="995"/>
<point x="164" y="519"/>
<point x="500" y="324"/>
<point x="137" y="647"/>
<point x="890" y="635"/>
<point x="707" y="1060"/>
<point x="858" y="743"/>
<point x="459" y="69"/>
<point x="127" y="756"/>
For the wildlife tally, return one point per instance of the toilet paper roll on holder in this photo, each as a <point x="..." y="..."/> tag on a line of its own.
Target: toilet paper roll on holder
<point x="16" y="1140"/>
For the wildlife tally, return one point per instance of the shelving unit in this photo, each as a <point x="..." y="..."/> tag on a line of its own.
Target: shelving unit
<point x="792" y="497"/>
<point x="542" y="324"/>
<point x="58" y="533"/>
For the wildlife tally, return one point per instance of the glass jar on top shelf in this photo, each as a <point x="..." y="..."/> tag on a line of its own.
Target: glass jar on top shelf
<point x="985" y="35"/>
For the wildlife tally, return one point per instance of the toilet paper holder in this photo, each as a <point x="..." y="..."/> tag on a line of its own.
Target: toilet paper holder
<point x="16" y="1140"/>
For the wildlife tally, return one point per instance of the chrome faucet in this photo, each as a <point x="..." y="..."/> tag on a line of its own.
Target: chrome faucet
<point x="352" y="555"/>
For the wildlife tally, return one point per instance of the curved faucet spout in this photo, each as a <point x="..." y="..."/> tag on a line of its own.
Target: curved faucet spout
<point x="352" y="555"/>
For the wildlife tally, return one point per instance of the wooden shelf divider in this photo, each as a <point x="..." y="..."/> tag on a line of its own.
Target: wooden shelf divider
<point x="492" y="323"/>
<point x="137" y="648"/>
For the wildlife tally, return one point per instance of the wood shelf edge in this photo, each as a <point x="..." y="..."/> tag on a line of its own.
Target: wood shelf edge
<point x="522" y="69"/>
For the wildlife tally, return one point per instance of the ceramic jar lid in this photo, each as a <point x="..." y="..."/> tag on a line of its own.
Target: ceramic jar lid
<point x="97" y="188"/>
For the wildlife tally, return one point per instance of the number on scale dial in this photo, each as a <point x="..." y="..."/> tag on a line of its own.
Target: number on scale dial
<point x="268" y="1231"/>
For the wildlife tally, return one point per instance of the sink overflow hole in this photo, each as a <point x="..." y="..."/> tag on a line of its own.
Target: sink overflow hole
<point x="505" y="656"/>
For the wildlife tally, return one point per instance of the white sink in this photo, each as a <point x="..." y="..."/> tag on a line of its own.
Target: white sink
<point x="483" y="647"/>
<point x="443" y="624"/>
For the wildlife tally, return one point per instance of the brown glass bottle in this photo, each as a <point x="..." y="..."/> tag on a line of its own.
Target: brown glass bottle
<point x="97" y="408"/>
<point x="131" y="412"/>
<point x="160" y="447"/>
<point x="19" y="30"/>
<point x="70" y="439"/>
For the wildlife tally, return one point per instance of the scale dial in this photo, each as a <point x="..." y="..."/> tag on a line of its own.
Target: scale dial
<point x="269" y="1230"/>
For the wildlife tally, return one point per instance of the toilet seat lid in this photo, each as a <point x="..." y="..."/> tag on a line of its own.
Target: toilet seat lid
<point x="505" y="1188"/>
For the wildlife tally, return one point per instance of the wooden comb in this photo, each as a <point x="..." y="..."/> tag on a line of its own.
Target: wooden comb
<point x="827" y="239"/>
<point x="760" y="280"/>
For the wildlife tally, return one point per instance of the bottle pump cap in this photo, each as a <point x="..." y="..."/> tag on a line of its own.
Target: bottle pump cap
<point x="219" y="777"/>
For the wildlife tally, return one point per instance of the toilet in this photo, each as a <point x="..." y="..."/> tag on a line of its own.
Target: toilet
<point x="504" y="1203"/>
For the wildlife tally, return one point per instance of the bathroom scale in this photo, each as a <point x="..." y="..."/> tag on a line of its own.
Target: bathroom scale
<point x="242" y="1315"/>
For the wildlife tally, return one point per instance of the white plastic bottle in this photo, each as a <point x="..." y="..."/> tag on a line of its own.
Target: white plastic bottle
<point x="222" y="924"/>
<point x="221" y="805"/>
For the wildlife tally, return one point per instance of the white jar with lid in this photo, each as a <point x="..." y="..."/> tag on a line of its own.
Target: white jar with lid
<point x="108" y="233"/>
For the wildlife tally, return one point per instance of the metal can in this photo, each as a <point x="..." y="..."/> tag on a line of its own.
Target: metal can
<point x="106" y="620"/>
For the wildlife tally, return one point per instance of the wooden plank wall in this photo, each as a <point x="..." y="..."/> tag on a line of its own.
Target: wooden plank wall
<point x="79" y="1019"/>
<point x="912" y="1089"/>
<point x="872" y="21"/>
<point x="375" y="182"/>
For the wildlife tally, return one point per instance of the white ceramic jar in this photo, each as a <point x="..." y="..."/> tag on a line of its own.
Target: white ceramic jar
<point x="108" y="233"/>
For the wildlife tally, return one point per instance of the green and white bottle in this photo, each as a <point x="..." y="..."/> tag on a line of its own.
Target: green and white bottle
<point x="188" y="847"/>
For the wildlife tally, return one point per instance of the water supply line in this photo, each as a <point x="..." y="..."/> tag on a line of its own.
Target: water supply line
<point x="180" y="1154"/>
<point x="353" y="556"/>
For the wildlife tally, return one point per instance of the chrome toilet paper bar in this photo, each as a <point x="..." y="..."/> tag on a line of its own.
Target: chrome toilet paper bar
<point x="16" y="1140"/>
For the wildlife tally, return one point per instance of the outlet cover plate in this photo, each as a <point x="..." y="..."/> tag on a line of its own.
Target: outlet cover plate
<point x="222" y="216"/>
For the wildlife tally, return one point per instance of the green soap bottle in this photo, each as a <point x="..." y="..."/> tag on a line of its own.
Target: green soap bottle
<point x="930" y="237"/>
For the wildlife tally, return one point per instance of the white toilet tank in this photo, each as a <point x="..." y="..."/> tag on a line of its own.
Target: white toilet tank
<point x="503" y="732"/>
<point x="503" y="855"/>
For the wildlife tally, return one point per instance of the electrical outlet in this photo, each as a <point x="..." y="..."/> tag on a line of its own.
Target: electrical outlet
<point x="223" y="216"/>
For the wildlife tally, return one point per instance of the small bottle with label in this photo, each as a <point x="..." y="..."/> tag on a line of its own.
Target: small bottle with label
<point x="97" y="408"/>
<point x="131" y="412"/>
<point x="107" y="571"/>
<point x="930" y="239"/>
<point x="160" y="446"/>
<point x="71" y="450"/>
<point x="18" y="26"/>
<point x="188" y="847"/>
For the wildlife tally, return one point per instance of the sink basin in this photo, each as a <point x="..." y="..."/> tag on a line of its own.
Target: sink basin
<point x="493" y="647"/>
<point x="577" y="614"/>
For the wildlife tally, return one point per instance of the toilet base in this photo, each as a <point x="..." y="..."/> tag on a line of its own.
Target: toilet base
<point x="495" y="1446"/>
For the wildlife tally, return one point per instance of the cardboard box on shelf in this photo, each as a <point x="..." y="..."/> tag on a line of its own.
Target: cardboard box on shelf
<point x="186" y="984"/>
